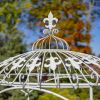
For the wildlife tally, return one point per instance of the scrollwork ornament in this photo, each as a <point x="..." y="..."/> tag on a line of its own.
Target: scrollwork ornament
<point x="22" y="78"/>
<point x="51" y="24"/>
<point x="55" y="31"/>
<point x="50" y="21"/>
<point x="92" y="75"/>
<point x="6" y="71"/>
<point x="53" y="63"/>
<point x="46" y="31"/>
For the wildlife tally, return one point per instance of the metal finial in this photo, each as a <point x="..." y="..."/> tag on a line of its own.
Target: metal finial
<point x="51" y="24"/>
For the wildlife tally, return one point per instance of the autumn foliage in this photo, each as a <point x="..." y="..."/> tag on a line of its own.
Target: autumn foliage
<point x="73" y="24"/>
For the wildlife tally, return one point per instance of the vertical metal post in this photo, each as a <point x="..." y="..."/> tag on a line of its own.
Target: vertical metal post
<point x="58" y="83"/>
<point x="38" y="78"/>
<point x="91" y="93"/>
<point x="28" y="98"/>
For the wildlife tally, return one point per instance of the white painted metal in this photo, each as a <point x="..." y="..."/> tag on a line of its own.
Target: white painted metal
<point x="38" y="89"/>
<point x="48" y="63"/>
<point x="91" y="93"/>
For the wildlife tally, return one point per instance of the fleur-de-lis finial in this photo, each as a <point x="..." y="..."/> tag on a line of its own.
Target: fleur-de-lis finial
<point x="51" y="22"/>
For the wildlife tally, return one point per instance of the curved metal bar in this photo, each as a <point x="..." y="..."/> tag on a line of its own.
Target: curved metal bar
<point x="50" y="42"/>
<point x="55" y="41"/>
<point x="85" y="63"/>
<point x="21" y="55"/>
<point x="87" y="67"/>
<point x="59" y="40"/>
<point x="38" y="89"/>
<point x="34" y="46"/>
<point x="87" y="55"/>
<point x="54" y="74"/>
<point x="65" y="69"/>
<point x="73" y="67"/>
<point x="35" y="43"/>
<point x="59" y="78"/>
<point x="80" y="71"/>
<point x="42" y="65"/>
<point x="30" y="72"/>
<point x="63" y="41"/>
<point x="24" y="66"/>
<point x="43" y="42"/>
<point x="11" y="70"/>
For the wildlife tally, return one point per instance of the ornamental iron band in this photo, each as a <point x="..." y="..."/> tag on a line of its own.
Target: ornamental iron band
<point x="50" y="62"/>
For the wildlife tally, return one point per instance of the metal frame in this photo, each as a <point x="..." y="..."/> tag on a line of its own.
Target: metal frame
<point x="50" y="64"/>
<point x="31" y="89"/>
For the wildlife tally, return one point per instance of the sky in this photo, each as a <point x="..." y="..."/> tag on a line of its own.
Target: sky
<point x="32" y="35"/>
<point x="95" y="31"/>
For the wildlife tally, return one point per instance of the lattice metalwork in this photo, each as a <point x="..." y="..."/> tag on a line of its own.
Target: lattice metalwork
<point x="50" y="64"/>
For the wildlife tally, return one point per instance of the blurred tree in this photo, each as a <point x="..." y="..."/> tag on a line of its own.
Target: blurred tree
<point x="72" y="15"/>
<point x="11" y="42"/>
